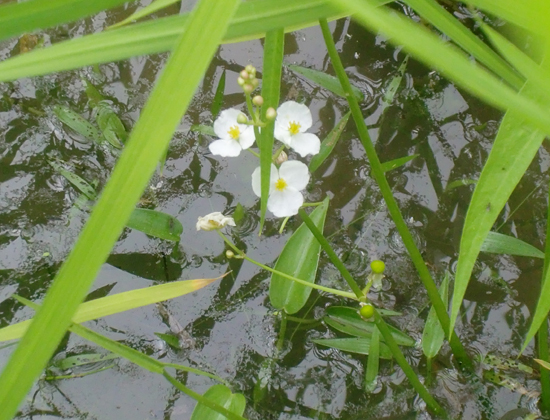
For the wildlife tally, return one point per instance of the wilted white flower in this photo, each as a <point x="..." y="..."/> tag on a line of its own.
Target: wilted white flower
<point x="233" y="137"/>
<point x="285" y="198"/>
<point x="214" y="221"/>
<point x="293" y="119"/>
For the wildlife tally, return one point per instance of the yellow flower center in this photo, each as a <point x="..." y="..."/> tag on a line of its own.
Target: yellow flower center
<point x="294" y="127"/>
<point x="280" y="185"/>
<point x="234" y="132"/>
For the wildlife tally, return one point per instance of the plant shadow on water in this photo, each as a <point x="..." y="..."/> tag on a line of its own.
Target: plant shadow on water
<point x="233" y="327"/>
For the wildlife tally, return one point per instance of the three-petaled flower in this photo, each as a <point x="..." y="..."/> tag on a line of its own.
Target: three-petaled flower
<point x="285" y="184"/>
<point x="214" y="221"/>
<point x="233" y="137"/>
<point x="293" y="119"/>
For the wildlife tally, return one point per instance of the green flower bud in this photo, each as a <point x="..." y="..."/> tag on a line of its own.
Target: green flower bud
<point x="242" y="119"/>
<point x="251" y="69"/>
<point x="258" y="100"/>
<point x="244" y="74"/>
<point x="229" y="254"/>
<point x="377" y="266"/>
<point x="270" y="114"/>
<point x="248" y="88"/>
<point x="367" y="311"/>
<point x="241" y="81"/>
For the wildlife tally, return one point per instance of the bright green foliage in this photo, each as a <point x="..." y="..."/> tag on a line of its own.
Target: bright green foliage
<point x="497" y="243"/>
<point x="299" y="258"/>
<point x="221" y="395"/>
<point x="145" y="11"/>
<point x="328" y="144"/>
<point x="366" y="311"/>
<point x="326" y="81"/>
<point x="377" y="266"/>
<point x="373" y="362"/>
<point x="111" y="127"/>
<point x="433" y="335"/>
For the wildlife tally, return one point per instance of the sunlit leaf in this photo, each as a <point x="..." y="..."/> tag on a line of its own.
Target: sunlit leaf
<point x="353" y="345"/>
<point x="327" y="146"/>
<point x="221" y="395"/>
<point x="433" y="334"/>
<point x="497" y="243"/>
<point x="299" y="258"/>
<point x="326" y="81"/>
<point x="156" y="223"/>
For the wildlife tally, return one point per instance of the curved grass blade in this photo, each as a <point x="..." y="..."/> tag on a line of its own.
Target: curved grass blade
<point x="497" y="243"/>
<point x="77" y="123"/>
<point x="114" y="304"/>
<point x="328" y="144"/>
<point x="348" y="321"/>
<point x="156" y="223"/>
<point x="18" y="18"/>
<point x="434" y="13"/>
<point x="353" y="345"/>
<point x="146" y="11"/>
<point x="299" y="258"/>
<point x="253" y="19"/>
<point x="326" y="81"/>
<point x="433" y="334"/>
<point x="221" y="395"/>
<point x="152" y="133"/>
<point x="373" y="362"/>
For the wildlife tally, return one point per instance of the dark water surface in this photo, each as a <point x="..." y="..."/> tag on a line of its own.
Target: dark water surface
<point x="233" y="325"/>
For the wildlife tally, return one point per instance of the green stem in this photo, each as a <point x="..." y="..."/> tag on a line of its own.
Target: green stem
<point x="202" y="399"/>
<point x="318" y="203"/>
<point x="195" y="371"/>
<point x="331" y="254"/>
<point x="286" y="276"/>
<point x="407" y="369"/>
<point x="283" y="224"/>
<point x="393" y="208"/>
<point x="278" y="152"/>
<point x="254" y="153"/>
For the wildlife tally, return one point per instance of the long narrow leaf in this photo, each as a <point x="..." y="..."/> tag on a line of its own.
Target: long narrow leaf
<point x="221" y="395"/>
<point x="354" y="345"/>
<point x="151" y="135"/>
<point x="497" y="243"/>
<point x="326" y="81"/>
<point x="328" y="144"/>
<point x="433" y="334"/>
<point x="153" y="7"/>
<point x="156" y="223"/>
<point x="373" y="361"/>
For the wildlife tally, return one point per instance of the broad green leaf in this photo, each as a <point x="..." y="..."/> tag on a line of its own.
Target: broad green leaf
<point x="117" y="303"/>
<point x="159" y="118"/>
<point x="18" y="18"/>
<point x="353" y="345"/>
<point x="83" y="359"/>
<point x="348" y="321"/>
<point x="497" y="243"/>
<point x="146" y="11"/>
<point x="433" y="334"/>
<point x="373" y="361"/>
<point x="239" y="212"/>
<point x="396" y="163"/>
<point x="271" y="90"/>
<point x="156" y="223"/>
<point x="299" y="258"/>
<point x="327" y="146"/>
<point x="436" y="14"/>
<point x="221" y="395"/>
<point x="112" y="128"/>
<point x="77" y="123"/>
<point x="218" y="97"/>
<point x="81" y="184"/>
<point x="203" y="129"/>
<point x="326" y="81"/>
<point x="253" y="19"/>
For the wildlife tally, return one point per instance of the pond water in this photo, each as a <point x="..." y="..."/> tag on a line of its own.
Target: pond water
<point x="233" y="328"/>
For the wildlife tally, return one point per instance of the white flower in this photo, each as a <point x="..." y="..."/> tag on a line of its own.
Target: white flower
<point x="293" y="119"/>
<point x="285" y="198"/>
<point x="213" y="221"/>
<point x="233" y="137"/>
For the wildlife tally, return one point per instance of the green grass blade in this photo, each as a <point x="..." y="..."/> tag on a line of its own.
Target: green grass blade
<point x="81" y="184"/>
<point x="156" y="223"/>
<point x="271" y="89"/>
<point x="373" y="362"/>
<point x="354" y="345"/>
<point x="326" y="81"/>
<point x="396" y="163"/>
<point x="221" y="395"/>
<point x="497" y="243"/>
<point x="146" y="11"/>
<point x="218" y="97"/>
<point x="328" y="144"/>
<point x="253" y="19"/>
<point x="18" y="18"/>
<point x="434" y="13"/>
<point x="433" y="334"/>
<point x="299" y="258"/>
<point x="393" y="86"/>
<point x="148" y="141"/>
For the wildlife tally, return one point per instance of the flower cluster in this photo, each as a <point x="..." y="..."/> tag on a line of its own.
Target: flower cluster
<point x="237" y="133"/>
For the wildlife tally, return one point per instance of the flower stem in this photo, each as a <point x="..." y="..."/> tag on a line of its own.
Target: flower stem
<point x="332" y="255"/>
<point x="393" y="208"/>
<point x="278" y="152"/>
<point x="318" y="203"/>
<point x="286" y="276"/>
<point x="254" y="153"/>
<point x="283" y="225"/>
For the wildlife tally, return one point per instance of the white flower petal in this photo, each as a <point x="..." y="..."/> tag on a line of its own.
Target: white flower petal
<point x="257" y="181"/>
<point x="295" y="173"/>
<point x="225" y="148"/>
<point x="293" y="111"/>
<point x="285" y="203"/>
<point x="281" y="133"/>
<point x="247" y="137"/>
<point x="213" y="221"/>
<point x="306" y="144"/>
<point x="226" y="120"/>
